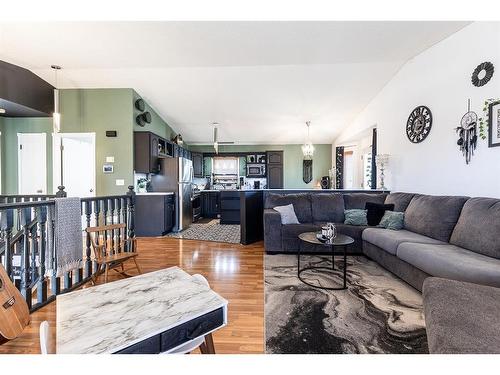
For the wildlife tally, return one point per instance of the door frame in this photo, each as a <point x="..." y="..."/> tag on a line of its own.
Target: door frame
<point x="56" y="167"/>
<point x="43" y="137"/>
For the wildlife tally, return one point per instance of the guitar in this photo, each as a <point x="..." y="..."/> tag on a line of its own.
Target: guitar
<point x="14" y="312"/>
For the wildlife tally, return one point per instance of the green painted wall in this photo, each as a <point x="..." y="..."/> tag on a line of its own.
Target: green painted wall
<point x="157" y="126"/>
<point x="9" y="128"/>
<point x="322" y="160"/>
<point x="86" y="111"/>
<point x="98" y="110"/>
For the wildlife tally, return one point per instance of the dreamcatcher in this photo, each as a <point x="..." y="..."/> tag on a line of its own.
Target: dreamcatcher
<point x="467" y="134"/>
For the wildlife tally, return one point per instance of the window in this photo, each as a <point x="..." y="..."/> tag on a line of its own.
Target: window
<point x="226" y="166"/>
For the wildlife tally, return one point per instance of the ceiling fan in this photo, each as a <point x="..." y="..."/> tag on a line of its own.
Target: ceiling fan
<point x="216" y="139"/>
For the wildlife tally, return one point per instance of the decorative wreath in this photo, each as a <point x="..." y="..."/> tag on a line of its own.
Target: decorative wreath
<point x="488" y="68"/>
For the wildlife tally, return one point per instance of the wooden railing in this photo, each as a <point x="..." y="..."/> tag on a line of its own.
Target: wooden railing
<point x="27" y="243"/>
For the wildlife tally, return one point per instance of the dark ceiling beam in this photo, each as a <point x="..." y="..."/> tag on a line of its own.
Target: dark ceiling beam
<point x="23" y="93"/>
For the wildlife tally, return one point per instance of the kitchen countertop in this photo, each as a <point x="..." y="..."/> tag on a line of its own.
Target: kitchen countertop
<point x="156" y="193"/>
<point x="109" y="317"/>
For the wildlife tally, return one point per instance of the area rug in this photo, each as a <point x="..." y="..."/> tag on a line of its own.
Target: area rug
<point x="210" y="231"/>
<point x="378" y="313"/>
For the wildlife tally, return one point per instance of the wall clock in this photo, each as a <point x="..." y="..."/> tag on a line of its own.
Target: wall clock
<point x="419" y="124"/>
<point x="482" y="74"/>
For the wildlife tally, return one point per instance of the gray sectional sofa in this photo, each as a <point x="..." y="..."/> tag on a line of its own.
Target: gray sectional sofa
<point x="445" y="236"/>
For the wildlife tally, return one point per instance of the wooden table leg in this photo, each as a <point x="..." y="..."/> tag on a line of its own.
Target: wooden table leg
<point x="209" y="341"/>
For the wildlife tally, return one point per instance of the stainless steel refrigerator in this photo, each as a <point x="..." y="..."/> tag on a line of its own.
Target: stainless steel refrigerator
<point x="177" y="175"/>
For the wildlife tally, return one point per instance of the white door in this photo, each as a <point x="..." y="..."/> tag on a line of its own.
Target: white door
<point x="78" y="163"/>
<point x="32" y="163"/>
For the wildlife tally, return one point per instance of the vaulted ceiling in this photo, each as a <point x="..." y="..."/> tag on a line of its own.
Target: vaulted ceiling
<point x="260" y="80"/>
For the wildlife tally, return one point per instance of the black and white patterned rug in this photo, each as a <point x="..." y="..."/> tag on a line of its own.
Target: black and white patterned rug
<point x="378" y="313"/>
<point x="210" y="230"/>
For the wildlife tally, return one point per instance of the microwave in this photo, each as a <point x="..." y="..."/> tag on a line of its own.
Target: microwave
<point x="256" y="170"/>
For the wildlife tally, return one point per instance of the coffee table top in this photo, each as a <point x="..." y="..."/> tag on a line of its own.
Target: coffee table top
<point x="340" y="240"/>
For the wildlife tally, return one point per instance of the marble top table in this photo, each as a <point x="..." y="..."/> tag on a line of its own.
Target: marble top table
<point x="110" y="317"/>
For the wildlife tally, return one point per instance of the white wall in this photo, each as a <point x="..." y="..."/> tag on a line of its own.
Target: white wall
<point x="440" y="79"/>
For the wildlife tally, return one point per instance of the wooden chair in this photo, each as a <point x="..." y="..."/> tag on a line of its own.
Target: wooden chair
<point x="109" y="243"/>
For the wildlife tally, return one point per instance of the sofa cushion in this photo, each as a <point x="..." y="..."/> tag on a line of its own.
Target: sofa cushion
<point x="290" y="235"/>
<point x="328" y="207"/>
<point x="451" y="262"/>
<point x="433" y="216"/>
<point x="301" y="204"/>
<point x="358" y="200"/>
<point x="375" y="212"/>
<point x="399" y="200"/>
<point x="389" y="240"/>
<point x="478" y="227"/>
<point x="393" y="220"/>
<point x="355" y="217"/>
<point x="461" y="317"/>
<point x="287" y="214"/>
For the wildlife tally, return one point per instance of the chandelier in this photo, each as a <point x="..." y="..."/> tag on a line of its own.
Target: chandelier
<point x="308" y="148"/>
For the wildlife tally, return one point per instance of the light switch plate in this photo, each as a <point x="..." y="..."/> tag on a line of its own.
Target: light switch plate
<point x="110" y="159"/>
<point x="120" y="182"/>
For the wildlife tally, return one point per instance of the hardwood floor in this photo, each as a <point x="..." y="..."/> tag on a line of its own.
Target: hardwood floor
<point x="236" y="272"/>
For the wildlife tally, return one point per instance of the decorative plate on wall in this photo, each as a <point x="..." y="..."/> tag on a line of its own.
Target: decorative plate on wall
<point x="140" y="105"/>
<point x="482" y="74"/>
<point x="147" y="117"/>
<point x="419" y="124"/>
<point x="140" y="120"/>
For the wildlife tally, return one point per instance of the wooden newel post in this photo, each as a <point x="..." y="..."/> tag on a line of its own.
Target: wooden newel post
<point x="60" y="192"/>
<point x="131" y="215"/>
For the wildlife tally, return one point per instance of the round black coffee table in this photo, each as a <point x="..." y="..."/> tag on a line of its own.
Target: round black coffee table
<point x="341" y="241"/>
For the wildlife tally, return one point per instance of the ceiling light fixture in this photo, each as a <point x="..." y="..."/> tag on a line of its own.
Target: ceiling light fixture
<point x="56" y="116"/>
<point x="308" y="148"/>
<point x="216" y="142"/>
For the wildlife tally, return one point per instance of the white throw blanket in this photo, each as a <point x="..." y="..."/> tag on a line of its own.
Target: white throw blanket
<point x="68" y="244"/>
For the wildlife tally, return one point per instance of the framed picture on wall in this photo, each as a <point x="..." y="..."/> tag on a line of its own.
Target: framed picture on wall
<point x="494" y="124"/>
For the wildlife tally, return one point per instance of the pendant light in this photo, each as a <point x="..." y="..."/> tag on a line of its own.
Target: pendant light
<point x="308" y="148"/>
<point x="56" y="116"/>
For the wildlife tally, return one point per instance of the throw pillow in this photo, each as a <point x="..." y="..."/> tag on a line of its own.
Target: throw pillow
<point x="375" y="212"/>
<point x="392" y="220"/>
<point x="287" y="213"/>
<point x="355" y="217"/>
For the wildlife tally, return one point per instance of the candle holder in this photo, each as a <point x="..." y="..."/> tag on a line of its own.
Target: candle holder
<point x="382" y="160"/>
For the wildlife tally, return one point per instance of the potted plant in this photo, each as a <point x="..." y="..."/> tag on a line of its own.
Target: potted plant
<point x="142" y="184"/>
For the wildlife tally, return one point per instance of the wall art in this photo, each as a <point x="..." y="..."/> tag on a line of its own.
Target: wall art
<point x="467" y="134"/>
<point x="494" y="124"/>
<point x="482" y="74"/>
<point x="419" y="124"/>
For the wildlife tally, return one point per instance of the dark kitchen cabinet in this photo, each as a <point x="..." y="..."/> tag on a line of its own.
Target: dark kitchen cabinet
<point x="197" y="164"/>
<point x="210" y="204"/>
<point x="230" y="207"/>
<point x="146" y="154"/>
<point x="154" y="214"/>
<point x="275" y="157"/>
<point x="275" y="169"/>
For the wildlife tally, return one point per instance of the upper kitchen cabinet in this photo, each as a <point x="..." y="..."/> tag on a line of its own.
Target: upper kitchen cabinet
<point x="275" y="169"/>
<point x="275" y="157"/>
<point x="146" y="152"/>
<point x="197" y="164"/>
